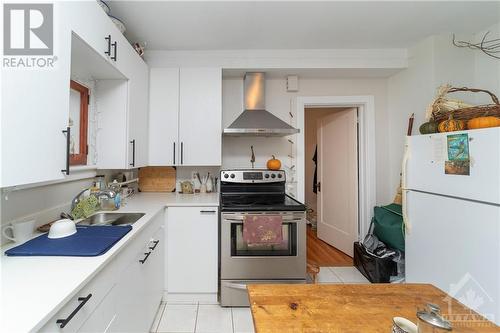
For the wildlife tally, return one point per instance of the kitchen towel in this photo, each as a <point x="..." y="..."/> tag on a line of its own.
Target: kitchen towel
<point x="89" y="241"/>
<point x="263" y="229"/>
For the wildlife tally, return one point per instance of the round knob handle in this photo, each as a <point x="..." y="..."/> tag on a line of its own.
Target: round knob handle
<point x="280" y="175"/>
<point x="273" y="176"/>
<point x="226" y="175"/>
<point x="267" y="175"/>
<point x="232" y="175"/>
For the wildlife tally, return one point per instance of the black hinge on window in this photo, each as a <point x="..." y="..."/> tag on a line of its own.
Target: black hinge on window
<point x="88" y="99"/>
<point x="87" y="151"/>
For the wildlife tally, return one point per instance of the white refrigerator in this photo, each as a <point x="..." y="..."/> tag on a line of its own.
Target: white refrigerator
<point x="451" y="204"/>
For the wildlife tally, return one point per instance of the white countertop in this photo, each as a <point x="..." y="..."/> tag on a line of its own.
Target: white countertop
<point x="35" y="288"/>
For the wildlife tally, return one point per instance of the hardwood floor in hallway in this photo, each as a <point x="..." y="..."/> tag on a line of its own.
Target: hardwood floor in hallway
<point x="323" y="254"/>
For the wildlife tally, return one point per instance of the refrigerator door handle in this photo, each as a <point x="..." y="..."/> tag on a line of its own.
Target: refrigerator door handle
<point x="404" y="202"/>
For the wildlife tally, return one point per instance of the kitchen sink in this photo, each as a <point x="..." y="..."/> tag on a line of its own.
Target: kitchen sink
<point x="112" y="219"/>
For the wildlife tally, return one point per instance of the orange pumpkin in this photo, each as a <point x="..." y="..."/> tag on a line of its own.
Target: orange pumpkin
<point x="451" y="125"/>
<point x="274" y="164"/>
<point x="483" y="122"/>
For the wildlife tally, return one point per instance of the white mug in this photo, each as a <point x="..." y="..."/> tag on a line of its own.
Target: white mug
<point x="403" y="325"/>
<point x="21" y="231"/>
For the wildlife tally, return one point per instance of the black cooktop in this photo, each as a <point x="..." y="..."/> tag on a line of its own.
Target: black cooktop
<point x="252" y="202"/>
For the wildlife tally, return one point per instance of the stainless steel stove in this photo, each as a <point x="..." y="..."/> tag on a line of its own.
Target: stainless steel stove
<point x="244" y="192"/>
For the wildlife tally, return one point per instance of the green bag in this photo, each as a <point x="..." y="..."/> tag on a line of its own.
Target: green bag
<point x="389" y="227"/>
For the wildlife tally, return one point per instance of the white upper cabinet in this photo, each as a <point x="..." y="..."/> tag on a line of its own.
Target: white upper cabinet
<point x="163" y="116"/>
<point x="34" y="112"/>
<point x="200" y="116"/>
<point x="185" y="116"/>
<point x="35" y="103"/>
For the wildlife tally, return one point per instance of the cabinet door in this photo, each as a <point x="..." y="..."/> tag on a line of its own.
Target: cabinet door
<point x="192" y="249"/>
<point x="103" y="316"/>
<point x="163" y="116"/>
<point x="153" y="270"/>
<point x="34" y="111"/>
<point x="200" y="116"/>
<point x="138" y="115"/>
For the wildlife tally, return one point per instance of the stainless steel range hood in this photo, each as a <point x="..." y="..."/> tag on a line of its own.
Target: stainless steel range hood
<point x="255" y="120"/>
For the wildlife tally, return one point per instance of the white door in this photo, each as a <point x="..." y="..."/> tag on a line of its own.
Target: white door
<point x="200" y="116"/>
<point x="338" y="179"/>
<point x="163" y="116"/>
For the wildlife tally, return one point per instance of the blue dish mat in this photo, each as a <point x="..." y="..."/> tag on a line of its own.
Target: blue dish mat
<point x="89" y="241"/>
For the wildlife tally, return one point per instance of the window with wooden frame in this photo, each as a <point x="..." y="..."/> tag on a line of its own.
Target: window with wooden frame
<point x="78" y="121"/>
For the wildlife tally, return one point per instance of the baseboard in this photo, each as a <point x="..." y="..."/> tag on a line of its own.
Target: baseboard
<point x="190" y="298"/>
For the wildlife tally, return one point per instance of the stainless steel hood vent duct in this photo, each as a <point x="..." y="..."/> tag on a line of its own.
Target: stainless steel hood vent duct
<point x="255" y="120"/>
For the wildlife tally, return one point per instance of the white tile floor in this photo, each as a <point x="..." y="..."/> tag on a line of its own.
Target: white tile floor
<point x="203" y="318"/>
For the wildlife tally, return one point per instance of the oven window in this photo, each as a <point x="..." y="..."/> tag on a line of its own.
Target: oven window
<point x="239" y="248"/>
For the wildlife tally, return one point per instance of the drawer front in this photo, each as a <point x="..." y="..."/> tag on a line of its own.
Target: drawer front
<point x="83" y="303"/>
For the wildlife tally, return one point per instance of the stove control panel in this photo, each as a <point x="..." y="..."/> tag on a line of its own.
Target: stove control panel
<point x="252" y="176"/>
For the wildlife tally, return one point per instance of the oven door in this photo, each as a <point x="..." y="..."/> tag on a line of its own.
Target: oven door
<point x="284" y="261"/>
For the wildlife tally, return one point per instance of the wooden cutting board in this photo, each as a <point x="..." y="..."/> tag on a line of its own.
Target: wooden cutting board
<point x="157" y="179"/>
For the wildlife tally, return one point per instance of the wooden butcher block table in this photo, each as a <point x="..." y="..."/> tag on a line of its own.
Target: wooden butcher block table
<point x="353" y="308"/>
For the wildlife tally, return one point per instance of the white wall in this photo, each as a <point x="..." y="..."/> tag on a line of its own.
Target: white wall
<point x="431" y="63"/>
<point x="44" y="203"/>
<point x="236" y="151"/>
<point x="486" y="68"/>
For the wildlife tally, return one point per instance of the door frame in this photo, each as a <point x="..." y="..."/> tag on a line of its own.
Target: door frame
<point x="366" y="149"/>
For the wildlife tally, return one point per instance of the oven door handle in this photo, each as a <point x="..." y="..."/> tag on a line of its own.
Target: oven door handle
<point x="241" y="220"/>
<point x="238" y="286"/>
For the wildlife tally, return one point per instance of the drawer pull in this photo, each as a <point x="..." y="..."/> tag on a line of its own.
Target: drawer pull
<point x="208" y="211"/>
<point x="155" y="245"/>
<point x="63" y="322"/>
<point x="142" y="261"/>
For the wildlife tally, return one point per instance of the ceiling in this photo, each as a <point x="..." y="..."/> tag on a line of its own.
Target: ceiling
<point x="207" y="25"/>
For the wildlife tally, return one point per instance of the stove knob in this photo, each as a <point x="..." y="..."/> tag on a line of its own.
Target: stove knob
<point x="226" y="175"/>
<point x="267" y="175"/>
<point x="280" y="175"/>
<point x="273" y="175"/>
<point x="232" y="175"/>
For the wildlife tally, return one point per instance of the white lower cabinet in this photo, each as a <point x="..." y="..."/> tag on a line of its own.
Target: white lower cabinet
<point x="124" y="295"/>
<point x="192" y="253"/>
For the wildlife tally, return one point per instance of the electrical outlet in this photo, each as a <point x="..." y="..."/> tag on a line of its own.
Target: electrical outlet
<point x="193" y="174"/>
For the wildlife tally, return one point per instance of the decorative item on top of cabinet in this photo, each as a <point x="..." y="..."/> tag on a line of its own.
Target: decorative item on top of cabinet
<point x="442" y="106"/>
<point x="451" y="125"/>
<point x="428" y="127"/>
<point x="483" y="122"/>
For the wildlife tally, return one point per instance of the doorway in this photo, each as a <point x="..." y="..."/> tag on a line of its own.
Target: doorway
<point x="365" y="158"/>
<point x="331" y="193"/>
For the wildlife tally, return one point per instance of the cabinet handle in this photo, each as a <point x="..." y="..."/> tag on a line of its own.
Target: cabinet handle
<point x="182" y="152"/>
<point x="208" y="211"/>
<point x="114" y="53"/>
<point x="108" y="52"/>
<point x="67" y="131"/>
<point x="174" y="152"/>
<point x="155" y="245"/>
<point x="133" y="153"/>
<point x="82" y="300"/>
<point x="142" y="261"/>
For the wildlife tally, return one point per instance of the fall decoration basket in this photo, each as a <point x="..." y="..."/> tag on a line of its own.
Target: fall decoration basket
<point x="443" y="107"/>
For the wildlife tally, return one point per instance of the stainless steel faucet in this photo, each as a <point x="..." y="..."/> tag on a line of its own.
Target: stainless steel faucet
<point x="101" y="193"/>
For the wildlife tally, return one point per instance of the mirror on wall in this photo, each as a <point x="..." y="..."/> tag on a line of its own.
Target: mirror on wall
<point x="78" y="122"/>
